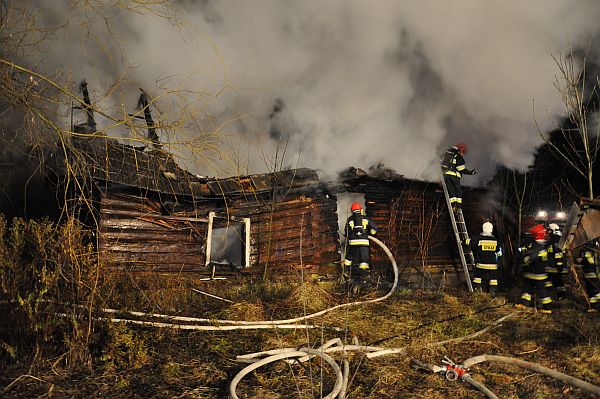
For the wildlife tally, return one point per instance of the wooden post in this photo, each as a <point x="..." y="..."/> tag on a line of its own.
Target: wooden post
<point x="247" y="242"/>
<point x="211" y="216"/>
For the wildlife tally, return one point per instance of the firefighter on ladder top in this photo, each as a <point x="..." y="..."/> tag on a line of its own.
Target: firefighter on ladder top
<point x="453" y="167"/>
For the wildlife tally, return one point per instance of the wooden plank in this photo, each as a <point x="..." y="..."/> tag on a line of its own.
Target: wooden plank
<point x="154" y="247"/>
<point x="146" y="236"/>
<point x="159" y="258"/>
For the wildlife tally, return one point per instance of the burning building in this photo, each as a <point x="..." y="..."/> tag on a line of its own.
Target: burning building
<point x="152" y="215"/>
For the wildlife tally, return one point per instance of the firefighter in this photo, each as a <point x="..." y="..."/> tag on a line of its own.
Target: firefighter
<point x="555" y="266"/>
<point x="588" y="261"/>
<point x="534" y="271"/>
<point x="358" y="228"/>
<point x="453" y="166"/>
<point x="486" y="251"/>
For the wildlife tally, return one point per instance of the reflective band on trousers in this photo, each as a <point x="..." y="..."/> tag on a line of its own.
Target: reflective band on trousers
<point x="526" y="296"/>
<point x="546" y="300"/>
<point x="452" y="173"/>
<point x="493" y="282"/>
<point x="363" y="266"/>
<point x="534" y="276"/>
<point x="591" y="275"/>
<point x="486" y="266"/>
<point x="360" y="241"/>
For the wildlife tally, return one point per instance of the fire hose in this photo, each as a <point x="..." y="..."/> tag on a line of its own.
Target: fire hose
<point x="236" y="324"/>
<point x="454" y="372"/>
<point x="273" y="323"/>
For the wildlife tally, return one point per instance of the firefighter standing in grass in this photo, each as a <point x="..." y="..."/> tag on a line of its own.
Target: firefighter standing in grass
<point x="534" y="271"/>
<point x="358" y="229"/>
<point x="588" y="261"/>
<point x="555" y="266"/>
<point x="486" y="251"/>
<point x="453" y="166"/>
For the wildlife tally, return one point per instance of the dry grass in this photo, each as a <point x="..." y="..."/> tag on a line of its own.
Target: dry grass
<point x="193" y="364"/>
<point x="311" y="297"/>
<point x="245" y="311"/>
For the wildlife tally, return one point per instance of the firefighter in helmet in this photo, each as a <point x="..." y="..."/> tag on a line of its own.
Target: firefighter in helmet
<point x="534" y="271"/>
<point x="357" y="231"/>
<point x="486" y="251"/>
<point x="555" y="266"/>
<point x="587" y="260"/>
<point x="453" y="167"/>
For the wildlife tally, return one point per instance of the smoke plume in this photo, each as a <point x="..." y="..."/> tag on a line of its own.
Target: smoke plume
<point x="341" y="83"/>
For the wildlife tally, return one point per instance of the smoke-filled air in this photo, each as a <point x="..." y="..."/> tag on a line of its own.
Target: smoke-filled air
<point x="327" y="84"/>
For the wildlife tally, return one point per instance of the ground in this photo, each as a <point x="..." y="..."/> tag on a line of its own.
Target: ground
<point x="142" y="362"/>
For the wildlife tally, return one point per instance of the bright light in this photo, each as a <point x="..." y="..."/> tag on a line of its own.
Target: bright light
<point x="542" y="214"/>
<point x="561" y="215"/>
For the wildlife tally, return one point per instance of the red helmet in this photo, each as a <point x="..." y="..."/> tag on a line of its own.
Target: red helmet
<point x="462" y="147"/>
<point x="538" y="232"/>
<point x="356" y="207"/>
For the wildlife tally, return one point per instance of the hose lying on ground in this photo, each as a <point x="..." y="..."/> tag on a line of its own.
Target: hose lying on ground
<point x="271" y="322"/>
<point x="479" y="386"/>
<point x="336" y="345"/>
<point x="286" y="355"/>
<point x="238" y="324"/>
<point x="586" y="386"/>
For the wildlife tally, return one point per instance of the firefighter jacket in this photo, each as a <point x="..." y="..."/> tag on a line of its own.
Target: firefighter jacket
<point x="358" y="229"/>
<point x="453" y="163"/>
<point x="588" y="262"/>
<point x="535" y="261"/>
<point x="486" y="250"/>
<point x="555" y="255"/>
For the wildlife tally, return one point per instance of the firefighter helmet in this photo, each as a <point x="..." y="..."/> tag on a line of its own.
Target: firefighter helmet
<point x="487" y="228"/>
<point x="462" y="147"/>
<point x="553" y="227"/>
<point x="356" y="207"/>
<point x="538" y="232"/>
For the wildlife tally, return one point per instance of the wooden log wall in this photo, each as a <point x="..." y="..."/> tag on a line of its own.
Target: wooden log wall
<point x="298" y="230"/>
<point x="134" y="235"/>
<point x="414" y="223"/>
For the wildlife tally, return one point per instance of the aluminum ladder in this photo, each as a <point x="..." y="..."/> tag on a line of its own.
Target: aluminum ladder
<point x="460" y="234"/>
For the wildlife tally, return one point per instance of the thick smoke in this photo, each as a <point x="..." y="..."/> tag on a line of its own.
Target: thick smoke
<point x="342" y="83"/>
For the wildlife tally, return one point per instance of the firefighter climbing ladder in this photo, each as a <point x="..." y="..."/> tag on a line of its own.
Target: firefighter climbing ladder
<point x="461" y="234"/>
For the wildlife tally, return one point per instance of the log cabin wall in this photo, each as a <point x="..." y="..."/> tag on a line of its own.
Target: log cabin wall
<point x="298" y="230"/>
<point x="135" y="235"/>
<point x="414" y="223"/>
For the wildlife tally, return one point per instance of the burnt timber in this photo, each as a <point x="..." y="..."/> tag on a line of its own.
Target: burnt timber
<point x="414" y="223"/>
<point x="151" y="215"/>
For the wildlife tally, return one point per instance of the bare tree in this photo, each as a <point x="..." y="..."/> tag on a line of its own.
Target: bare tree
<point x="578" y="94"/>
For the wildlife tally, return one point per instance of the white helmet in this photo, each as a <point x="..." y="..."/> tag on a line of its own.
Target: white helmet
<point x="487" y="228"/>
<point x="553" y="226"/>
